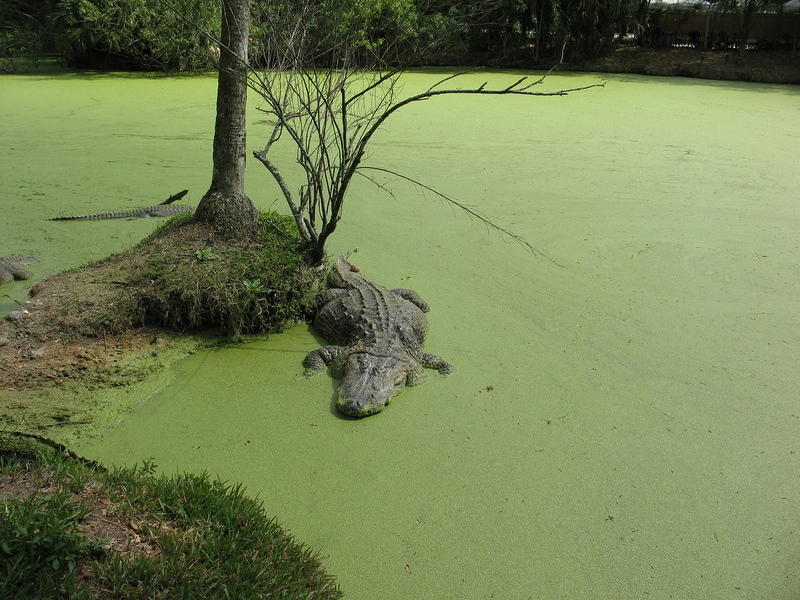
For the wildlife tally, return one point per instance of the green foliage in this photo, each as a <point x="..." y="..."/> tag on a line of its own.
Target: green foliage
<point x="27" y="32"/>
<point x="253" y="286"/>
<point x="40" y="546"/>
<point x="170" y="34"/>
<point x="373" y="23"/>
<point x="205" y="254"/>
<point x="391" y="31"/>
<point x="143" y="34"/>
<point x="588" y="26"/>
<point x="19" y="42"/>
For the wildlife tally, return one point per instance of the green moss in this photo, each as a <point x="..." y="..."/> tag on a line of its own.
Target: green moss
<point x="90" y="396"/>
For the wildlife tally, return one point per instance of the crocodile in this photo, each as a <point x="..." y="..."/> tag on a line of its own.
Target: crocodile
<point x="159" y="210"/>
<point x="378" y="335"/>
<point x="15" y="266"/>
<point x="164" y="209"/>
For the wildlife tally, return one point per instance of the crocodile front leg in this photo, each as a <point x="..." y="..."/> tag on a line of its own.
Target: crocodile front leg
<point x="320" y="358"/>
<point x="432" y="361"/>
<point x="412" y="297"/>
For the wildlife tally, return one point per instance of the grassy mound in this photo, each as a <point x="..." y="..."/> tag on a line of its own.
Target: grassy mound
<point x="188" y="280"/>
<point x="180" y="278"/>
<point x="72" y="529"/>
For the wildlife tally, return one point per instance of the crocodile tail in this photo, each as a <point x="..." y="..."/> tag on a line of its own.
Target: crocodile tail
<point x="174" y="197"/>
<point x="342" y="263"/>
<point x="120" y="214"/>
<point x="92" y="217"/>
<point x="75" y="218"/>
<point x="19" y="258"/>
<point x="169" y="210"/>
<point x="159" y="210"/>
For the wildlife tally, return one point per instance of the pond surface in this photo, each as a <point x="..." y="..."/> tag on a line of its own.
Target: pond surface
<point x="623" y="421"/>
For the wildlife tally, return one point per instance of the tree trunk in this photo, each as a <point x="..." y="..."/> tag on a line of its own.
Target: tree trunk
<point x="225" y="206"/>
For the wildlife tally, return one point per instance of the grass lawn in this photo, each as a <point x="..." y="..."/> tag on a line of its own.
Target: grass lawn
<point x="69" y="528"/>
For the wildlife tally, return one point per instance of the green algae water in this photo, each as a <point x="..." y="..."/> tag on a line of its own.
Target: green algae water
<point x="623" y="421"/>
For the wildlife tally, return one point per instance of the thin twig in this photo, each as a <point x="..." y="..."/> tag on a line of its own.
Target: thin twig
<point x="472" y="212"/>
<point x="376" y="183"/>
<point x="459" y="74"/>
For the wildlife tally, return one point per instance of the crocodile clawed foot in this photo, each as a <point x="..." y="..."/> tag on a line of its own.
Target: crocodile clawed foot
<point x="319" y="359"/>
<point x="432" y="361"/>
<point x="415" y="377"/>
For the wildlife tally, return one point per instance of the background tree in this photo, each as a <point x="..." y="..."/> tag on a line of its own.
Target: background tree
<point x="225" y="205"/>
<point x="166" y="35"/>
<point x="27" y="27"/>
<point x="588" y="27"/>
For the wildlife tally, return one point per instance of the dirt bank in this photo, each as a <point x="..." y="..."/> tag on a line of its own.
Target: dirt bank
<point x="757" y="66"/>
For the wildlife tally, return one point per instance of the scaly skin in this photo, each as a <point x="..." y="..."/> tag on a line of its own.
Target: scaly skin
<point x="378" y="336"/>
<point x="14" y="267"/>
<point x="159" y="210"/>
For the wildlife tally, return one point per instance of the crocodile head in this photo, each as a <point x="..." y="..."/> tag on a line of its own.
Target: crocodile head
<point x="370" y="381"/>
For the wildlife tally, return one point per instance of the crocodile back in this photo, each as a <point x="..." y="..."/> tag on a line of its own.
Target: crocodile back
<point x="368" y="312"/>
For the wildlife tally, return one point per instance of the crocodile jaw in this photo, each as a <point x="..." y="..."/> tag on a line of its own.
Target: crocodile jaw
<point x="369" y="383"/>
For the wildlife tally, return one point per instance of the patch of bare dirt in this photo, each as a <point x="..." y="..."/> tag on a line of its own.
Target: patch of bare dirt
<point x="122" y="535"/>
<point x="19" y="485"/>
<point x="53" y="337"/>
<point x="77" y="323"/>
<point x="104" y="522"/>
<point x="33" y="362"/>
<point x="34" y="355"/>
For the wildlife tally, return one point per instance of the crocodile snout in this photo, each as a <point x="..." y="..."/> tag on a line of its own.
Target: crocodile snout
<point x="369" y="383"/>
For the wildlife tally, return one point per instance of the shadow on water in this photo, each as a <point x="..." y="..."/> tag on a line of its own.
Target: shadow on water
<point x="246" y="347"/>
<point x="690" y="82"/>
<point x="611" y="78"/>
<point x="48" y="73"/>
<point x="247" y="343"/>
<point x="334" y="395"/>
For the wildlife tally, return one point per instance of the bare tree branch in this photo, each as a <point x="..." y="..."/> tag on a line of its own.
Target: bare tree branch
<point x="470" y="211"/>
<point x="375" y="182"/>
<point x="296" y="212"/>
<point x="331" y="114"/>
